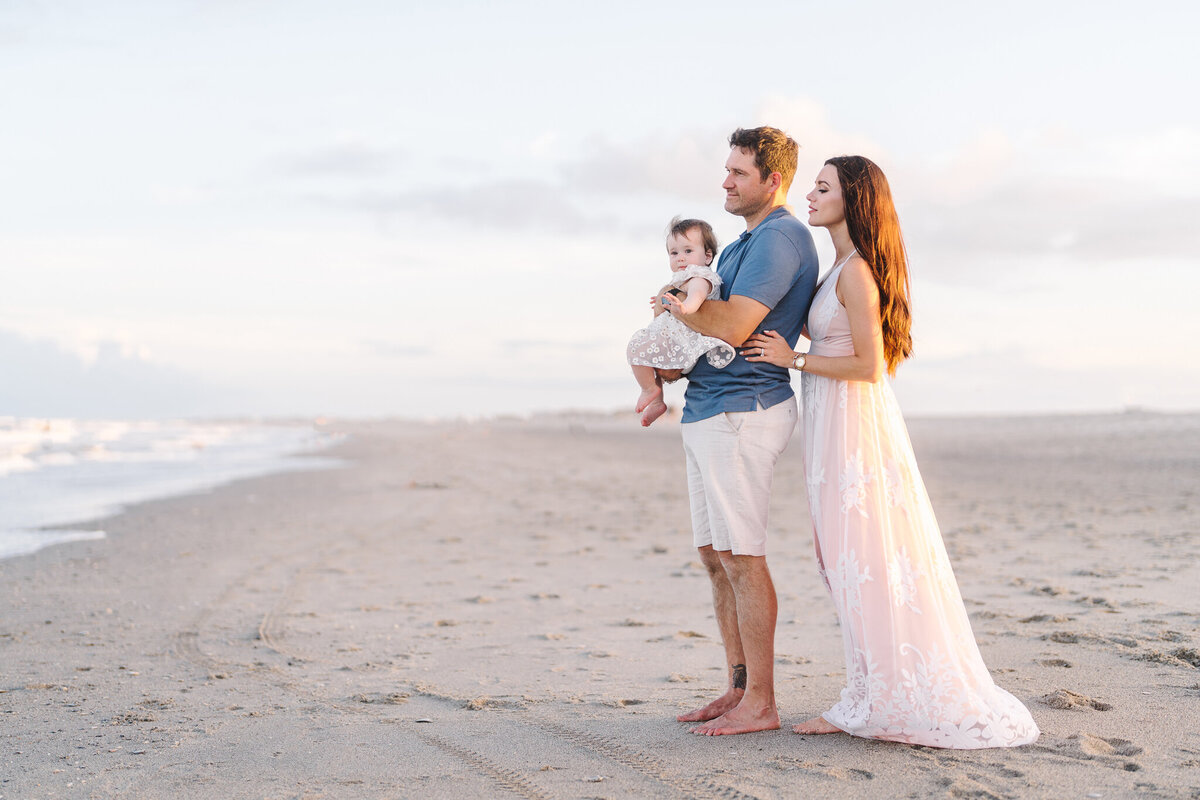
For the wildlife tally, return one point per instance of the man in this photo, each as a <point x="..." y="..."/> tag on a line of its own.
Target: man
<point x="738" y="420"/>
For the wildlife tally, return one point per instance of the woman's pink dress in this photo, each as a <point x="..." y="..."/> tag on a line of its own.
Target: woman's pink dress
<point x="913" y="671"/>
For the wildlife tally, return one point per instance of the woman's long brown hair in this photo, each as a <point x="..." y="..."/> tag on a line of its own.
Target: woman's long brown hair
<point x="875" y="231"/>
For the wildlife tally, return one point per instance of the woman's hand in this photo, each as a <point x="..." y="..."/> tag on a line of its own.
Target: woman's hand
<point x="770" y="347"/>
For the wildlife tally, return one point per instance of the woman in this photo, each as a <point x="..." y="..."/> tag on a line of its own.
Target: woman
<point x="914" y="673"/>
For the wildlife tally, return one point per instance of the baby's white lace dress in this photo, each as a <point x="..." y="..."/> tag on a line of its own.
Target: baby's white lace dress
<point x="666" y="343"/>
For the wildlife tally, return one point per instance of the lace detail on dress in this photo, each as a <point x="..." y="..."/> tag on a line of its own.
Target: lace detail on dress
<point x="913" y="671"/>
<point x="666" y="343"/>
<point x="698" y="271"/>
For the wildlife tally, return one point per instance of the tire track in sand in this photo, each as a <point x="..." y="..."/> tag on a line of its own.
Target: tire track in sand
<point x="271" y="632"/>
<point x="615" y="750"/>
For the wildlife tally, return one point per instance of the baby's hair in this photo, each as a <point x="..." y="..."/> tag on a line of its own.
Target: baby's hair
<point x="680" y="227"/>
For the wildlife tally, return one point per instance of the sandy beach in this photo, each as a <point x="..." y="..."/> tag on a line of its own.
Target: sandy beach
<point x="513" y="608"/>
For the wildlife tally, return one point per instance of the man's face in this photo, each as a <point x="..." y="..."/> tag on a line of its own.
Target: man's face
<point x="746" y="193"/>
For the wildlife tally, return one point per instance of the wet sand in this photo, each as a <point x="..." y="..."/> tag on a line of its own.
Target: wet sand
<point x="514" y="609"/>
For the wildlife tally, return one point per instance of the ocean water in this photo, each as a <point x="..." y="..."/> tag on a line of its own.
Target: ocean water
<point x="56" y="474"/>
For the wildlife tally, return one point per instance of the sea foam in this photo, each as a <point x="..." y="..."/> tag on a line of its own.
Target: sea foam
<point x="57" y="473"/>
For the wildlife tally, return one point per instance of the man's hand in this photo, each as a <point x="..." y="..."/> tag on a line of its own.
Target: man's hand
<point x="669" y="375"/>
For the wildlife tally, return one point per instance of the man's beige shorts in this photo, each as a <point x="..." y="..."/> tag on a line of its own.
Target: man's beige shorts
<point x="730" y="463"/>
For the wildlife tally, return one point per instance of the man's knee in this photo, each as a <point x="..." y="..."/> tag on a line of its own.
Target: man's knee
<point x="712" y="561"/>
<point x="741" y="568"/>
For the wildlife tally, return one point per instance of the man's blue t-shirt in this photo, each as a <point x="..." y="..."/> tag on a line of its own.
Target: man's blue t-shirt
<point x="775" y="264"/>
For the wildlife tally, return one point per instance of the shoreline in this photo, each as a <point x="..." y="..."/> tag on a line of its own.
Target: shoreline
<point x="59" y="478"/>
<point x="530" y="588"/>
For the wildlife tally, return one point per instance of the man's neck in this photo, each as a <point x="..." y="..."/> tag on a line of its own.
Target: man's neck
<point x="754" y="219"/>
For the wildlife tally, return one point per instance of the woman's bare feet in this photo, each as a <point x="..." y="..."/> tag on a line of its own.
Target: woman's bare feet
<point x="816" y="726"/>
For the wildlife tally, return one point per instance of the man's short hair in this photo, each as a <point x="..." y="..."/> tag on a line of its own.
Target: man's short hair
<point x="774" y="151"/>
<point x="679" y="227"/>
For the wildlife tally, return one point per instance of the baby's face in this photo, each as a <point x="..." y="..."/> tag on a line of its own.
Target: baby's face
<point x="686" y="250"/>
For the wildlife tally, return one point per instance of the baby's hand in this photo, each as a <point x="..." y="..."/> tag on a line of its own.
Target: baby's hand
<point x="683" y="308"/>
<point x="671" y="303"/>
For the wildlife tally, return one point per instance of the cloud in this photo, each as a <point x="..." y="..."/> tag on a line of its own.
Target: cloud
<point x="1052" y="195"/>
<point x="991" y="381"/>
<point x="688" y="166"/>
<point x="996" y="197"/>
<point x="552" y="347"/>
<point x="604" y="188"/>
<point x="807" y="121"/>
<point x="114" y="382"/>
<point x="515" y="205"/>
<point x="382" y="349"/>
<point x="1082" y="219"/>
<point x="346" y="159"/>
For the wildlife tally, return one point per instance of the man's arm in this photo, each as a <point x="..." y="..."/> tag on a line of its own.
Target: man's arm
<point x="732" y="320"/>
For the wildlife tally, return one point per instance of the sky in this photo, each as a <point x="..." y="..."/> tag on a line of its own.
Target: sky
<point x="458" y="209"/>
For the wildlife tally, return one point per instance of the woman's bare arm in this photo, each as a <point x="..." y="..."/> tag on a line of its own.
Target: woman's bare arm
<point x="857" y="291"/>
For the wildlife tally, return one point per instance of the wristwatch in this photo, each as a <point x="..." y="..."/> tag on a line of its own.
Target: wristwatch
<point x="798" y="361"/>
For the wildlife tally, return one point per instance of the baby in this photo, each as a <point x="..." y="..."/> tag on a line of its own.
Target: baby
<point x="666" y="343"/>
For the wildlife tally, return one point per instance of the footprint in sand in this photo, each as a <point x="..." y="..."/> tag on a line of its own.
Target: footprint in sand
<point x="1097" y="602"/>
<point x="380" y="698"/>
<point x="1066" y="699"/>
<point x="1100" y="746"/>
<point x="783" y="658"/>
<point x="1059" y="618"/>
<point x="1070" y="637"/>
<point x="816" y="768"/>
<point x="484" y="703"/>
<point x="1056" y="662"/>
<point x="623" y="703"/>
<point x="1180" y="657"/>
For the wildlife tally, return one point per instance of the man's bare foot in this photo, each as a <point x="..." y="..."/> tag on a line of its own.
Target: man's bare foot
<point x="816" y="726"/>
<point x="740" y="720"/>
<point x="648" y="397"/>
<point x="716" y="708"/>
<point x="652" y="412"/>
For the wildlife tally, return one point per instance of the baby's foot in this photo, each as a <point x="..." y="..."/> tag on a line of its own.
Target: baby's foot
<point x="653" y="411"/>
<point x="647" y="397"/>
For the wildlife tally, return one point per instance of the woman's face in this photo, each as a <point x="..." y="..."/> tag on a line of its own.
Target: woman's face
<point x="825" y="207"/>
